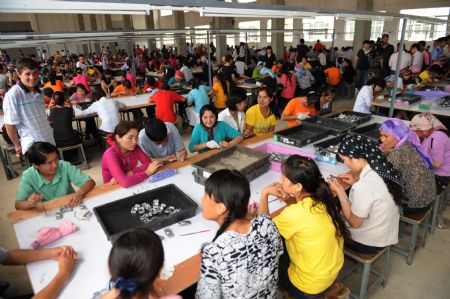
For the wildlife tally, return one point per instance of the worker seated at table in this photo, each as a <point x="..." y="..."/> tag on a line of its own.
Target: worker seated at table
<point x="300" y="108"/>
<point x="81" y="79"/>
<point x="61" y="115"/>
<point x="197" y="98"/>
<point x="363" y="102"/>
<point x="124" y="89"/>
<point x="390" y="83"/>
<point x="49" y="178"/>
<point x="108" y="83"/>
<point x="48" y="94"/>
<point x="107" y="110"/>
<point x="124" y="162"/>
<point x="256" y="72"/>
<point x="312" y="229"/>
<point x="177" y="81"/>
<point x="165" y="100"/>
<point x="430" y="75"/>
<point x="54" y="83"/>
<point x="135" y="262"/>
<point x="211" y="133"/>
<point x="372" y="209"/>
<point x="260" y="118"/>
<point x="325" y="104"/>
<point x="65" y="256"/>
<point x="242" y="259"/>
<point x="80" y="96"/>
<point x="151" y="84"/>
<point x="435" y="139"/>
<point x="412" y="160"/>
<point x="162" y="141"/>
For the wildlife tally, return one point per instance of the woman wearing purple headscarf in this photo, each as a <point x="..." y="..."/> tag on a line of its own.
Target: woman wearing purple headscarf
<point x="411" y="159"/>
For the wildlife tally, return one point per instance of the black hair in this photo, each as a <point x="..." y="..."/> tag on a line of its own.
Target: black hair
<point x="52" y="77"/>
<point x="376" y="81"/>
<point x="366" y="42"/>
<point x="304" y="171"/>
<point x="222" y="81"/>
<point x="38" y="152"/>
<point x="79" y="71"/>
<point x="136" y="256"/>
<point x="286" y="70"/>
<point x="231" y="188"/>
<point x="213" y="110"/>
<point x="82" y="87"/>
<point x="59" y="98"/>
<point x="150" y="81"/>
<point x="434" y="68"/>
<point x="156" y="130"/>
<point x="107" y="72"/>
<point x="122" y="128"/>
<point x="328" y="91"/>
<point x="127" y="83"/>
<point x="195" y="83"/>
<point x="27" y="63"/>
<point x="48" y="92"/>
<point x="236" y="96"/>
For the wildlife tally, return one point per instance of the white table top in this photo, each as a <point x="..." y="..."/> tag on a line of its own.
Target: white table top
<point x="434" y="108"/>
<point x="91" y="273"/>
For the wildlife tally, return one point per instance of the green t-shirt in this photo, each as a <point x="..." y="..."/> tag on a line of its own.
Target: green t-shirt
<point x="33" y="182"/>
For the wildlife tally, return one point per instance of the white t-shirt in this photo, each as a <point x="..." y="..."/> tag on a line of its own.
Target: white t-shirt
<point x="371" y="200"/>
<point x="406" y="61"/>
<point x="364" y="99"/>
<point x="108" y="111"/>
<point x="225" y="116"/>
<point x="82" y="66"/>
<point x="187" y="72"/>
<point x="240" y="67"/>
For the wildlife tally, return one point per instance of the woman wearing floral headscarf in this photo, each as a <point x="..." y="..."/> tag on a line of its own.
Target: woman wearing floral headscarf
<point x="411" y="159"/>
<point x="435" y="140"/>
<point x="371" y="210"/>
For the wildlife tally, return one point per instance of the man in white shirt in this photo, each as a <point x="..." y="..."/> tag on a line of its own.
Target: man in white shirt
<point x="108" y="111"/>
<point x="417" y="59"/>
<point x="241" y="67"/>
<point x="81" y="63"/>
<point x="24" y="109"/>
<point x="322" y="58"/>
<point x="406" y="61"/>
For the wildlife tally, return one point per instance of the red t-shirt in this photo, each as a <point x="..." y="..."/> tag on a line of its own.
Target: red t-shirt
<point x="164" y="100"/>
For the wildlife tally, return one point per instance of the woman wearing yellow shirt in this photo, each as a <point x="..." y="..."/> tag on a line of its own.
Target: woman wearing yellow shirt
<point x="312" y="229"/>
<point x="260" y="118"/>
<point x="221" y="89"/>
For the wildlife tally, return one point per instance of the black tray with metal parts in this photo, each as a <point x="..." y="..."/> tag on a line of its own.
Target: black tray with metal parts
<point x="224" y="159"/>
<point x="301" y="135"/>
<point x="330" y="145"/>
<point x="372" y="131"/>
<point x="335" y="126"/>
<point x="115" y="217"/>
<point x="410" y="98"/>
<point x="351" y="116"/>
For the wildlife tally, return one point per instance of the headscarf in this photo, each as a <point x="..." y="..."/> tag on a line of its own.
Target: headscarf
<point x="403" y="133"/>
<point x="299" y="69"/>
<point x="425" y="121"/>
<point x="357" y="146"/>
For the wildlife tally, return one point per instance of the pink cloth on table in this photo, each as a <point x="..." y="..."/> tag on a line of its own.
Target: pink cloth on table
<point x="48" y="235"/>
<point x="115" y="164"/>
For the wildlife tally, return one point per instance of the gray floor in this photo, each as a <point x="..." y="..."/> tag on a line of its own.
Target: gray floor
<point x="427" y="277"/>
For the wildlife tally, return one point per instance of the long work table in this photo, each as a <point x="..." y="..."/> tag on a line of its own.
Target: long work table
<point x="182" y="252"/>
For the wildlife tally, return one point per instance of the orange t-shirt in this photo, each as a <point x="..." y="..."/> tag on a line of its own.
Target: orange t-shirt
<point x="334" y="76"/>
<point x="122" y="89"/>
<point x="59" y="86"/>
<point x="275" y="68"/>
<point x="295" y="107"/>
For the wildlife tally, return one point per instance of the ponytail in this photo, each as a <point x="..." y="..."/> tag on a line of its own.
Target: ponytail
<point x="395" y="190"/>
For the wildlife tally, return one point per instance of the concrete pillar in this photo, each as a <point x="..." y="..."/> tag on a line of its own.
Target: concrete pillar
<point x="108" y="26"/>
<point x="278" y="37"/>
<point x="391" y="28"/>
<point x="127" y="22"/>
<point x="339" y="33"/>
<point x="180" y="42"/>
<point x="94" y="27"/>
<point x="362" y="28"/>
<point x="298" y="34"/>
<point x="81" y="27"/>
<point x="221" y="40"/>
<point x="150" y="24"/>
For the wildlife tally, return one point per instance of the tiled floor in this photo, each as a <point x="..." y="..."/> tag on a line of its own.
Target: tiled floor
<point x="427" y="277"/>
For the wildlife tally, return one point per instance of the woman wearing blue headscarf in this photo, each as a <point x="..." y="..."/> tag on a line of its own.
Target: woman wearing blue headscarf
<point x="411" y="159"/>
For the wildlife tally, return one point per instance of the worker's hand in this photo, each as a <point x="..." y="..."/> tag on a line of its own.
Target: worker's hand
<point x="275" y="189"/>
<point x="181" y="155"/>
<point x="336" y="187"/>
<point x="151" y="169"/>
<point x="66" y="261"/>
<point x="302" y="116"/>
<point x="112" y="182"/>
<point x="212" y="144"/>
<point x="76" y="199"/>
<point x="171" y="158"/>
<point x="347" y="178"/>
<point x="34" y="199"/>
<point x="18" y="150"/>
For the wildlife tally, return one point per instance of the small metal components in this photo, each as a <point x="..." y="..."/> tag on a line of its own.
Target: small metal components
<point x="59" y="215"/>
<point x="169" y="233"/>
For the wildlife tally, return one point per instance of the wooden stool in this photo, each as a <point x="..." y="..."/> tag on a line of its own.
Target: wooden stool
<point x="84" y="164"/>
<point x="415" y="220"/>
<point x="366" y="261"/>
<point x="338" y="290"/>
<point x="6" y="155"/>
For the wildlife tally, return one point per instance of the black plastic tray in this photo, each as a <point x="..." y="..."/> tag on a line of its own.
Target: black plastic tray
<point x="323" y="146"/>
<point x="336" y="127"/>
<point x="372" y="131"/>
<point x="363" y="117"/>
<point x="115" y="217"/>
<point x="431" y="88"/>
<point x="410" y="98"/>
<point x="445" y="102"/>
<point x="251" y="171"/>
<point x="301" y="135"/>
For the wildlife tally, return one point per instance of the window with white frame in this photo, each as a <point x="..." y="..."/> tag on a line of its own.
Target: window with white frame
<point x="349" y="30"/>
<point x="201" y="35"/>
<point x="376" y="29"/>
<point x="269" y="33"/>
<point x="416" y="31"/>
<point x="165" y="12"/>
<point x="188" y="36"/>
<point x="231" y="40"/>
<point x="288" y="25"/>
<point x="320" y="27"/>
<point x="253" y="36"/>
